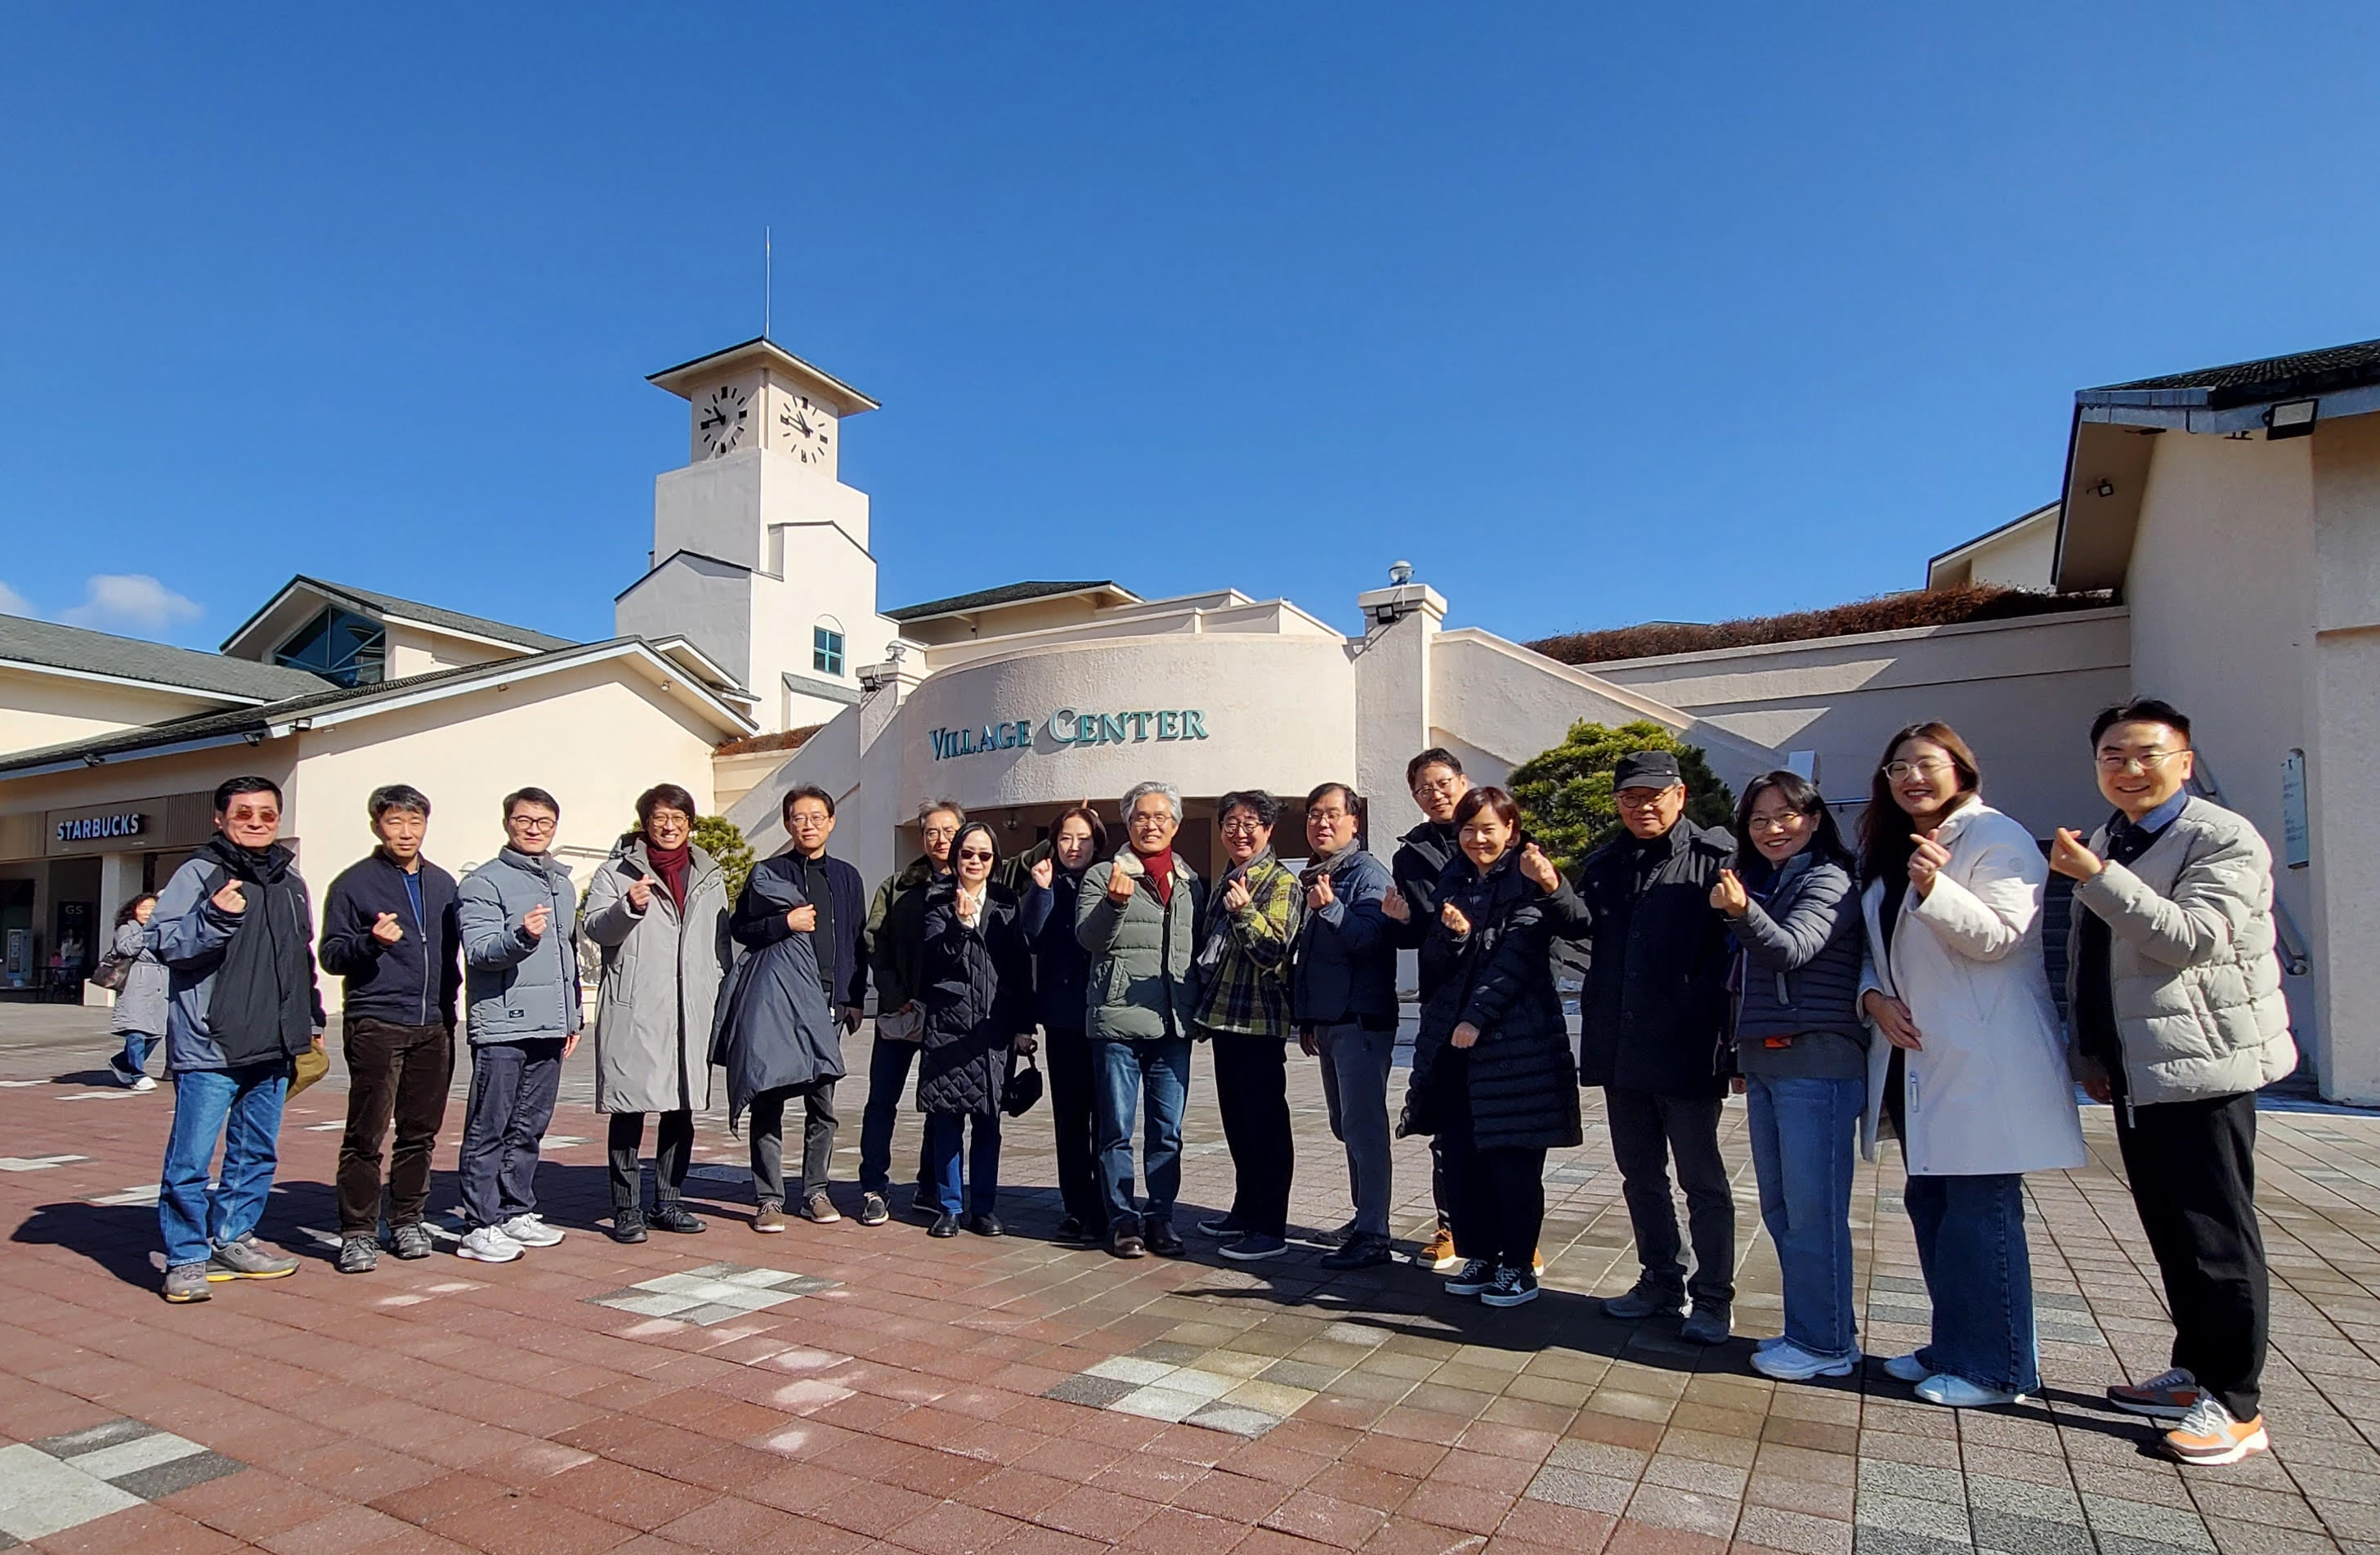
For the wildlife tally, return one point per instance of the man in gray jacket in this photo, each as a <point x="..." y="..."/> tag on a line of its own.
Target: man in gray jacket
<point x="515" y="915"/>
<point x="2179" y="1020"/>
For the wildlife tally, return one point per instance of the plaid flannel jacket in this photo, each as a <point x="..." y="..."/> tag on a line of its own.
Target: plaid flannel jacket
<point x="1246" y="989"/>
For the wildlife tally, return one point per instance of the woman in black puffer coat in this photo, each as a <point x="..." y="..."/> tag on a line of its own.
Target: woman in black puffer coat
<point x="1494" y="1077"/>
<point x="977" y="987"/>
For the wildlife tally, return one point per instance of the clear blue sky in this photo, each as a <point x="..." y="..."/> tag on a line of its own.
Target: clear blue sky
<point x="1597" y="314"/>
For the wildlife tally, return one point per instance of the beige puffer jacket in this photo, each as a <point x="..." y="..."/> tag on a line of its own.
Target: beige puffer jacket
<point x="2197" y="986"/>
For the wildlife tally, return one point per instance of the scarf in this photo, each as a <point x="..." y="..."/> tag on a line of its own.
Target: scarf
<point x="261" y="1006"/>
<point x="1159" y="867"/>
<point x="671" y="865"/>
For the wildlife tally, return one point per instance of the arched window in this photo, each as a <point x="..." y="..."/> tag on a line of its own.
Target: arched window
<point x="826" y="647"/>
<point x="340" y="646"/>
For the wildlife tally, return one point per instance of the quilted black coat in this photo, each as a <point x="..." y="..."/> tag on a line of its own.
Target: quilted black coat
<point x="1518" y="1077"/>
<point x="977" y="986"/>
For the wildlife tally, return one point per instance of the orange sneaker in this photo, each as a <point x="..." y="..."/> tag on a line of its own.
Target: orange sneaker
<point x="1536" y="1261"/>
<point x="2209" y="1435"/>
<point x="1437" y="1253"/>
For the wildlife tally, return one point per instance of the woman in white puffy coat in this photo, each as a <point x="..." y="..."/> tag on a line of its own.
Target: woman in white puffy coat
<point x="1972" y="1073"/>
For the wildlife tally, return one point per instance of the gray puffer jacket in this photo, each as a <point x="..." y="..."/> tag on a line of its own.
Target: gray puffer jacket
<point x="140" y="1003"/>
<point x="660" y="987"/>
<point x="2196" y="984"/>
<point x="518" y="986"/>
<point x="1143" y="982"/>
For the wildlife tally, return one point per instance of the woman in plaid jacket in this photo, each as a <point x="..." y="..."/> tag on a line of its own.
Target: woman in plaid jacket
<point x="1243" y="1007"/>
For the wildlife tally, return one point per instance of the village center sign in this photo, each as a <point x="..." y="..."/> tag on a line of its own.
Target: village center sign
<point x="1066" y="729"/>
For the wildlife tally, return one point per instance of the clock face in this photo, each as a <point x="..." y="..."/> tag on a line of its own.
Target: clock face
<point x="719" y="421"/>
<point x="807" y="427"/>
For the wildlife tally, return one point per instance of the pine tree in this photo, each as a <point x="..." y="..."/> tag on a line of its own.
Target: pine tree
<point x="1565" y="793"/>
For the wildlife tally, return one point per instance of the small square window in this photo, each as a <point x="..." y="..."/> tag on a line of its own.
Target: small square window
<point x="826" y="651"/>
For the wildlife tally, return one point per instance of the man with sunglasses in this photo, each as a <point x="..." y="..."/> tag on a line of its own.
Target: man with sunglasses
<point x="2178" y="1019"/>
<point x="1653" y="1020"/>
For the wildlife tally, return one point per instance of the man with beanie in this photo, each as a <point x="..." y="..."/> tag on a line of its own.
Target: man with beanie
<point x="1653" y="1035"/>
<point x="235" y="927"/>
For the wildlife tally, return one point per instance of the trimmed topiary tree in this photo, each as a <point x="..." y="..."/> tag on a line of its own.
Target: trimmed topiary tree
<point x="1565" y="793"/>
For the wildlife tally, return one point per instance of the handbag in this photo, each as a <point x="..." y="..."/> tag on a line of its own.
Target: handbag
<point x="903" y="1026"/>
<point x="1021" y="1090"/>
<point x="112" y="971"/>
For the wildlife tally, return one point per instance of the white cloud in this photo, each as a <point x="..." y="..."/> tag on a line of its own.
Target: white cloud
<point x="130" y="602"/>
<point x="14" y="603"/>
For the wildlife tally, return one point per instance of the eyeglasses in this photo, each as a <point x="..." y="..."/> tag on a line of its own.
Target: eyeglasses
<point x="1786" y="821"/>
<point x="1898" y="771"/>
<point x="1242" y="827"/>
<point x="1639" y="799"/>
<point x="939" y="833"/>
<point x="2112" y="762"/>
<point x="1436" y="785"/>
<point x="1329" y="816"/>
<point x="986" y="854"/>
<point x="531" y="822"/>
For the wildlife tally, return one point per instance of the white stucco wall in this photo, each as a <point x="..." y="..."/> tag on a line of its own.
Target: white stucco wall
<point x="706" y="602"/>
<point x="38" y="710"/>
<point x="2343" y="787"/>
<point x="2023" y="558"/>
<point x="2221" y="586"/>
<point x="2022" y="692"/>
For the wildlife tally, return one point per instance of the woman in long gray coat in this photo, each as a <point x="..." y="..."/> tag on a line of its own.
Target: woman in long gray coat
<point x="658" y="908"/>
<point x="140" y="1003"/>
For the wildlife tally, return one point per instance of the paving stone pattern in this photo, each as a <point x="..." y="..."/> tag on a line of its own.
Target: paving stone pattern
<point x="842" y="1389"/>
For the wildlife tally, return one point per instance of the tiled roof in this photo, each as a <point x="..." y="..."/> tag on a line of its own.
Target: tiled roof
<point x="75" y="647"/>
<point x="414" y="610"/>
<point x="2305" y="374"/>
<point x="1012" y="593"/>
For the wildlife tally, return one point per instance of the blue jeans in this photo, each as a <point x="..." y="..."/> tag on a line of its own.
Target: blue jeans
<point x="1803" y="1133"/>
<point x="888" y="1077"/>
<point x="1971" y="1246"/>
<point x="1356" y="1064"/>
<point x="943" y="1131"/>
<point x="242" y="1108"/>
<point x="1159" y="1070"/>
<point x="138" y="1046"/>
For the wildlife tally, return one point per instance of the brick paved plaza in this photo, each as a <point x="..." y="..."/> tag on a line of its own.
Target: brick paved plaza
<point x="838" y="1389"/>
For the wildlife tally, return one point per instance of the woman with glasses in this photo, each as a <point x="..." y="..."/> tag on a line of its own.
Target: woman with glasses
<point x="1060" y="982"/>
<point x="1493" y="1078"/>
<point x="1972" y="1073"/>
<point x="1243" y="1009"/>
<point x="976" y="985"/>
<point x="1801" y="1050"/>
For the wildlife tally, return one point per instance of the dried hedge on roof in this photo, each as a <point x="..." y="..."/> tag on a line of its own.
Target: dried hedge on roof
<point x="1886" y="613"/>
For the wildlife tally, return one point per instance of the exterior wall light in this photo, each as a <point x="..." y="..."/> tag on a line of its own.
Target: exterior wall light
<point x="2106" y="487"/>
<point x="2291" y="419"/>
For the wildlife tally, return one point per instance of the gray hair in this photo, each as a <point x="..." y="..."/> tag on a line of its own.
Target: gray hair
<point x="947" y="807"/>
<point x="1140" y="791"/>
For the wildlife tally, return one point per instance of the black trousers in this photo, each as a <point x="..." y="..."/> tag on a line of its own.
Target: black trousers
<point x="1252" y="1092"/>
<point x="673" y="1153"/>
<point x="767" y="1129"/>
<point x="396" y="1074"/>
<point x="2192" y="1166"/>
<point x="1649" y="1131"/>
<point x="1073" y="1087"/>
<point x="1495" y="1199"/>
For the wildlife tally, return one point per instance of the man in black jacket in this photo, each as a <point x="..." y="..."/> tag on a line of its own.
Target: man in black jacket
<point x="897" y="936"/>
<point x="837" y="925"/>
<point x="1438" y="784"/>
<point x="1652" y="1028"/>
<point x="388" y="930"/>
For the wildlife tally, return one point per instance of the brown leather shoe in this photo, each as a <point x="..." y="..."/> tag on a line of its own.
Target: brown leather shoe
<point x="1126" y="1243"/>
<point x="771" y="1217"/>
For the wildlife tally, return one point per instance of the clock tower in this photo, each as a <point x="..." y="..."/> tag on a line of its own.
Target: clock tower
<point x="759" y="551"/>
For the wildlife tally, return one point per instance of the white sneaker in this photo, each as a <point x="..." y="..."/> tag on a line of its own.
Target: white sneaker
<point x="1906" y="1369"/>
<point x="144" y="1083"/>
<point x="1787" y="1362"/>
<point x="1956" y="1392"/>
<point x="530" y="1230"/>
<point x="488" y="1245"/>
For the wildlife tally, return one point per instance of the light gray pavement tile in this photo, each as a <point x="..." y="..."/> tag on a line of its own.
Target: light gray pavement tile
<point x="1774" y="1527"/>
<point x="1910" y="1514"/>
<point x="2256" y="1538"/>
<point x="2175" y="1526"/>
<point x="2015" y="1534"/>
<point x="2126" y="1544"/>
<point x="1588" y="1492"/>
<point x="1667" y="1507"/>
<point x="1598" y="1457"/>
<point x="2049" y="1503"/>
<point x="130" y="1457"/>
<point x="41" y="1495"/>
<point x="1934" y="1484"/>
<point x="1866" y="1541"/>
